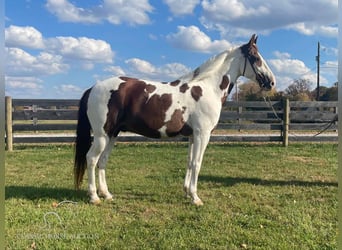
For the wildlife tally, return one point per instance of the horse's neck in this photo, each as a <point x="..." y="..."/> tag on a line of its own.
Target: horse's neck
<point x="216" y="66"/>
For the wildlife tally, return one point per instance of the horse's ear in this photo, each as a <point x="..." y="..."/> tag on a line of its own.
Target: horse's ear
<point x="253" y="39"/>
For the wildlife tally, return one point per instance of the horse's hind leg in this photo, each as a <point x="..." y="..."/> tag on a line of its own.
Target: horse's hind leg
<point x="103" y="188"/>
<point x="93" y="155"/>
<point x="188" y="168"/>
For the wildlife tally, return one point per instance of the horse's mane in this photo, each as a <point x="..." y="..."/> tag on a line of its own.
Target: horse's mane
<point x="206" y="68"/>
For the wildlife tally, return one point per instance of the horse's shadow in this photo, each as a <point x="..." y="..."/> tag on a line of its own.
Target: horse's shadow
<point x="231" y="181"/>
<point x="57" y="193"/>
<point x="37" y="193"/>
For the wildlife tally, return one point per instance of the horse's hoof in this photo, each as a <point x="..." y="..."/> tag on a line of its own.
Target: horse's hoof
<point x="95" y="201"/>
<point x="198" y="202"/>
<point x="107" y="196"/>
<point x="109" y="199"/>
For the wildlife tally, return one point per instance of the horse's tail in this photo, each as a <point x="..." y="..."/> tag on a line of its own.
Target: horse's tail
<point x="83" y="140"/>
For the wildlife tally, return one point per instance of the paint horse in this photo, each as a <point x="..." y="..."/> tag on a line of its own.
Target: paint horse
<point x="189" y="106"/>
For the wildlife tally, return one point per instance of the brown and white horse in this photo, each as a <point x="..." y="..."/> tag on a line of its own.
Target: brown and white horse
<point x="189" y="106"/>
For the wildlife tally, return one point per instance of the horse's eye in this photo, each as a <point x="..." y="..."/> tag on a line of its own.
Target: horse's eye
<point x="258" y="61"/>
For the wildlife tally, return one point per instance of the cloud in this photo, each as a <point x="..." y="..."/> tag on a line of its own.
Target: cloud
<point x="144" y="69"/>
<point x="55" y="55"/>
<point x="21" y="63"/>
<point x="329" y="68"/>
<point x="182" y="7"/>
<point x="235" y="18"/>
<point x="141" y="66"/>
<point x="68" y="12"/>
<point x="29" y="56"/>
<point x="20" y="86"/>
<point x="193" y="39"/>
<point x="282" y="55"/>
<point x="115" y="70"/>
<point x="68" y="91"/>
<point x="287" y="69"/>
<point x="114" y="11"/>
<point x="27" y="37"/>
<point x="65" y="88"/>
<point x="81" y="48"/>
<point x="312" y="28"/>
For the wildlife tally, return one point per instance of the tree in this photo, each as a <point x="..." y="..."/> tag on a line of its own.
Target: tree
<point x="250" y="91"/>
<point x="330" y="94"/>
<point x="299" y="90"/>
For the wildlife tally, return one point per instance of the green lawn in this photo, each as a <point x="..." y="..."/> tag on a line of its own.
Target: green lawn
<point x="256" y="196"/>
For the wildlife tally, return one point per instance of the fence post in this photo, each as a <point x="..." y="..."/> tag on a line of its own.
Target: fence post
<point x="8" y="126"/>
<point x="286" y="121"/>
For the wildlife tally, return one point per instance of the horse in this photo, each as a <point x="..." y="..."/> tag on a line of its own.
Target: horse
<point x="189" y="106"/>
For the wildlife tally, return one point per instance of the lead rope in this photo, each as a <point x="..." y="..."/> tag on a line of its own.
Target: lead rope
<point x="329" y="124"/>
<point x="269" y="103"/>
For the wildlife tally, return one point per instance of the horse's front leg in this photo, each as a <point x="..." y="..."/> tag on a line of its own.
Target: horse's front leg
<point x="188" y="168"/>
<point x="200" y="143"/>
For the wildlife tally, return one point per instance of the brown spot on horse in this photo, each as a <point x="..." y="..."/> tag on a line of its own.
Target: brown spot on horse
<point x="184" y="87"/>
<point x="175" y="83"/>
<point x="196" y="92"/>
<point x="225" y="82"/>
<point x="131" y="109"/>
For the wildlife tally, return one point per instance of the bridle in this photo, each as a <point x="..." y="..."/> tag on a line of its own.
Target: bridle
<point x="259" y="77"/>
<point x="249" y="57"/>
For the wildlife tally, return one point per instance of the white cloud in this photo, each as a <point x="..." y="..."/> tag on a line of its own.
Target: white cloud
<point x="227" y="10"/>
<point x="47" y="56"/>
<point x="68" y="12"/>
<point x="28" y="37"/>
<point x="182" y="7"/>
<point x="23" y="82"/>
<point x="141" y="66"/>
<point x="21" y="63"/>
<point x="312" y="28"/>
<point x="281" y="55"/>
<point x="144" y="69"/>
<point x="287" y="70"/>
<point x="114" y="11"/>
<point x="56" y="54"/>
<point x="69" y="88"/>
<point x="192" y="38"/>
<point x="68" y="91"/>
<point x="21" y="86"/>
<point x="115" y="70"/>
<point x="330" y="68"/>
<point x="235" y="18"/>
<point x="81" y="48"/>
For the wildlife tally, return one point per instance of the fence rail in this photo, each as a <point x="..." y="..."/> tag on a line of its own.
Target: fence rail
<point x="49" y="121"/>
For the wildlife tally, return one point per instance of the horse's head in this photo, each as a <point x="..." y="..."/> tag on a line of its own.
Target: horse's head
<point x="254" y="66"/>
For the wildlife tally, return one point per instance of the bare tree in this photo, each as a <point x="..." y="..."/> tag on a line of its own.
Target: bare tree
<point x="299" y="90"/>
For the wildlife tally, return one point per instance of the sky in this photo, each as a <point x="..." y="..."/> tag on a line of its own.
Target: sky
<point x="59" y="48"/>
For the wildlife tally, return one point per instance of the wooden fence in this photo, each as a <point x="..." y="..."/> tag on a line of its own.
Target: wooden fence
<point x="54" y="121"/>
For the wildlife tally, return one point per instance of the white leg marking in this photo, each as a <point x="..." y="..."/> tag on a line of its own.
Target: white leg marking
<point x="200" y="143"/>
<point x="93" y="155"/>
<point x="103" y="188"/>
<point x="188" y="168"/>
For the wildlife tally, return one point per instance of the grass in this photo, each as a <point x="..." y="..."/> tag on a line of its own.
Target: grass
<point x="256" y="196"/>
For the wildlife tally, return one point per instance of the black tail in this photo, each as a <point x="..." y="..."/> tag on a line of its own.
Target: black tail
<point x="83" y="140"/>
